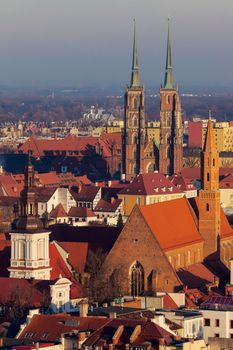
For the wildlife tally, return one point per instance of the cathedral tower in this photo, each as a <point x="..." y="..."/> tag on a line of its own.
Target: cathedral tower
<point x="171" y="134"/>
<point x="29" y="242"/>
<point x="134" y="122"/>
<point x="209" y="197"/>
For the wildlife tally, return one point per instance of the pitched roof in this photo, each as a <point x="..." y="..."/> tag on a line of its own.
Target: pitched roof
<point x="196" y="276"/>
<point x="227" y="182"/>
<point x="148" y="331"/>
<point x="168" y="302"/>
<point x="108" y="205"/>
<point x="195" y="173"/>
<point x="172" y="223"/>
<point x="58" y="264"/>
<point x="43" y="194"/>
<point x="51" y="327"/>
<point x="182" y="183"/>
<point x="80" y="212"/>
<point x="87" y="193"/>
<point x="77" y="254"/>
<point x="150" y="184"/>
<point x="58" y="212"/>
<point x="10" y="186"/>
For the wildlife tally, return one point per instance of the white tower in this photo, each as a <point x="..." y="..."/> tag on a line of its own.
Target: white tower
<point x="30" y="241"/>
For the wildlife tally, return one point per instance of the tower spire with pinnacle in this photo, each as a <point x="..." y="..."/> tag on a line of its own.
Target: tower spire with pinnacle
<point x="168" y="81"/>
<point x="135" y="79"/>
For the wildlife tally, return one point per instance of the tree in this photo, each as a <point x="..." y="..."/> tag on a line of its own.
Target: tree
<point x="120" y="223"/>
<point x="100" y="288"/>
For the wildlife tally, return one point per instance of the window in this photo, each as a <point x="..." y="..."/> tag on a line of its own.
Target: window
<point x="208" y="176"/>
<point x="216" y="335"/>
<point x="231" y="324"/>
<point x="217" y="323"/>
<point x="135" y="103"/>
<point x="213" y="162"/>
<point x="207" y="322"/>
<point x="138" y="200"/>
<point x="137" y="279"/>
<point x="231" y="335"/>
<point x="207" y="207"/>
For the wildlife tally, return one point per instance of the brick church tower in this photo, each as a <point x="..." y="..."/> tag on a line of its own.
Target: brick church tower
<point x="137" y="152"/>
<point x="209" y="197"/>
<point x="171" y="134"/>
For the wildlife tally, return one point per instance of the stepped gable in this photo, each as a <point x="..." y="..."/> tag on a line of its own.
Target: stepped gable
<point x="172" y="223"/>
<point x="150" y="184"/>
<point x="58" y="212"/>
<point x="226" y="229"/>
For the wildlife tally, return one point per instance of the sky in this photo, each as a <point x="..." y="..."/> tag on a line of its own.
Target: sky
<point x="89" y="42"/>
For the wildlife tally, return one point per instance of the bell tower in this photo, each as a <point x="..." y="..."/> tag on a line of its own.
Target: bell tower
<point x="30" y="241"/>
<point x="171" y="134"/>
<point x="134" y="134"/>
<point x="209" y="197"/>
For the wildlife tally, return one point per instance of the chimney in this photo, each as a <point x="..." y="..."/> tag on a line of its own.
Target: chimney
<point x="112" y="314"/>
<point x="135" y="334"/>
<point x="1" y="342"/>
<point x="117" y="334"/>
<point x="161" y="344"/>
<point x="110" y="346"/>
<point x="105" y="304"/>
<point x="83" y="309"/>
<point x="109" y="183"/>
<point x="112" y="200"/>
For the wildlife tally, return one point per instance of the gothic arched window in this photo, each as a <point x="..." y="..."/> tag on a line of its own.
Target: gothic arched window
<point x="135" y="103"/>
<point x="207" y="207"/>
<point x="137" y="279"/>
<point x="208" y="176"/>
<point x="135" y="122"/>
<point x="213" y="161"/>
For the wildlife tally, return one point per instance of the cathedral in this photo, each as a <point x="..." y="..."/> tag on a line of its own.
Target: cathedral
<point x="175" y="236"/>
<point x="138" y="153"/>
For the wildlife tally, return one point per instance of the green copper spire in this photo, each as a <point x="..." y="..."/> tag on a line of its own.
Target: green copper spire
<point x="168" y="82"/>
<point x="135" y="79"/>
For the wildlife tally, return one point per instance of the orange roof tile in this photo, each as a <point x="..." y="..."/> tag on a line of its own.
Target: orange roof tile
<point x="172" y="223"/>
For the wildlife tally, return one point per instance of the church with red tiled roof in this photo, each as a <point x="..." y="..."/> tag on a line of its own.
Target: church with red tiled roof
<point x="160" y="240"/>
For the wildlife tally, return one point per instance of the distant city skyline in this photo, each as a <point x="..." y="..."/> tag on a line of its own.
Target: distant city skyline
<point x="89" y="43"/>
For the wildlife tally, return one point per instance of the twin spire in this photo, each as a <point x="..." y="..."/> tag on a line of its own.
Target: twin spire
<point x="135" y="78"/>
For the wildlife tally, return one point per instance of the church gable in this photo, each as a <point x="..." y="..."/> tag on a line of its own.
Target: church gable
<point x="138" y="257"/>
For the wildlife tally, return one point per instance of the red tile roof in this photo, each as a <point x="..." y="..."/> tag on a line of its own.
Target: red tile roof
<point x="196" y="276"/>
<point x="195" y="173"/>
<point x="227" y="182"/>
<point x="108" y="205"/>
<point x="10" y="186"/>
<point x="182" y="183"/>
<point x="148" y="332"/>
<point x="164" y="220"/>
<point x="81" y="212"/>
<point x="51" y="327"/>
<point x="150" y="184"/>
<point x="58" y="265"/>
<point x="22" y="287"/>
<point x="58" y="212"/>
<point x="86" y="194"/>
<point x="77" y="254"/>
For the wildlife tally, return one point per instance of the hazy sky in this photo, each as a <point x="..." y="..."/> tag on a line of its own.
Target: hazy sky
<point x="76" y="42"/>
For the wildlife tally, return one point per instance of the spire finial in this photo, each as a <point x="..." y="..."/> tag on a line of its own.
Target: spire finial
<point x="135" y="79"/>
<point x="168" y="81"/>
<point x="210" y="114"/>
